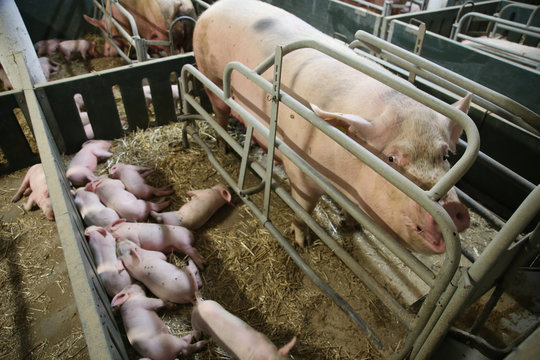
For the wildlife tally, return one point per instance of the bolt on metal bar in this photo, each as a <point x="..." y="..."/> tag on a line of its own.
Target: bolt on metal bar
<point x="511" y="105"/>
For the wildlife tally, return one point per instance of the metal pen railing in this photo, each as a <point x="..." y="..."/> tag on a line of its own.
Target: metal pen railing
<point x="505" y="52"/>
<point x="133" y="40"/>
<point x="482" y="95"/>
<point x="139" y="44"/>
<point x="427" y="199"/>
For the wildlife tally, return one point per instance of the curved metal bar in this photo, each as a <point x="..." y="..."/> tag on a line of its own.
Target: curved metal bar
<point x="315" y="278"/>
<point x="425" y="199"/>
<point x="172" y="25"/>
<point x="511" y="105"/>
<point x="352" y="59"/>
<point x="528" y="30"/>
<point x="419" y="268"/>
<point x="454" y="85"/>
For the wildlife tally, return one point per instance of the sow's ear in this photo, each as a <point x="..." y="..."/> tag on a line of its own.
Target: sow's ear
<point x="96" y="22"/>
<point x="454" y="128"/>
<point x="353" y="125"/>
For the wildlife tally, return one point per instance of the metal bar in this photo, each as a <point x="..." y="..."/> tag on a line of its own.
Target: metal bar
<point x="272" y="128"/>
<point x="503" y="170"/>
<point x="480" y="209"/>
<point x="367" y="157"/>
<point x="420" y="34"/>
<point x="448" y="230"/>
<point x="518" y="56"/>
<point x="405" y="317"/>
<point x="315" y="278"/>
<point x="529" y="30"/>
<point x="478" y="271"/>
<point x="517" y="5"/>
<point x="511" y="105"/>
<point x="171" y="43"/>
<point x="444" y="83"/>
<point x="245" y="155"/>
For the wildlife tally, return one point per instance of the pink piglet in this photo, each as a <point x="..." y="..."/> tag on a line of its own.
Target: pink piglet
<point x="234" y="335"/>
<point x="203" y="204"/>
<point x="81" y="168"/>
<point x="113" y="194"/>
<point x="133" y="178"/>
<point x="158" y="237"/>
<point x="146" y="332"/>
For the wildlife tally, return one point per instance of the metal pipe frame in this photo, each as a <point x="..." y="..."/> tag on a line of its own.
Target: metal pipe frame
<point x="134" y="40"/>
<point x="426" y="199"/>
<point x="180" y="18"/>
<point x="475" y="277"/>
<point x="351" y="263"/>
<point x="515" y="56"/>
<point x="498" y="24"/>
<point x="140" y="44"/>
<point x="535" y="10"/>
<point x="487" y="98"/>
<point x="508" y="25"/>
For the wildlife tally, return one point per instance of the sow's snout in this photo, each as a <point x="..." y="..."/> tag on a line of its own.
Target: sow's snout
<point x="431" y="231"/>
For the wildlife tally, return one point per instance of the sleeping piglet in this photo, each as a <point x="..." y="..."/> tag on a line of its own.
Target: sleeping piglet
<point x="110" y="269"/>
<point x="146" y="332"/>
<point x="81" y="168"/>
<point x="92" y="210"/>
<point x="79" y="46"/>
<point x="35" y="185"/>
<point x="232" y="334"/>
<point x="133" y="178"/>
<point x="163" y="279"/>
<point x="158" y="237"/>
<point x="203" y="204"/>
<point x="113" y="194"/>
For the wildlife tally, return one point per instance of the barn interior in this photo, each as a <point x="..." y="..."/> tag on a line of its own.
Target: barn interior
<point x="351" y="294"/>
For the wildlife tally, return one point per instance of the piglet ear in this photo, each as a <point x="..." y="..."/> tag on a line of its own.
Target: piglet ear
<point x="226" y="195"/>
<point x="284" y="351"/>
<point x="353" y="125"/>
<point x="91" y="186"/>
<point x="120" y="265"/>
<point x="119" y="299"/>
<point x="115" y="224"/>
<point x="454" y="128"/>
<point x="102" y="231"/>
